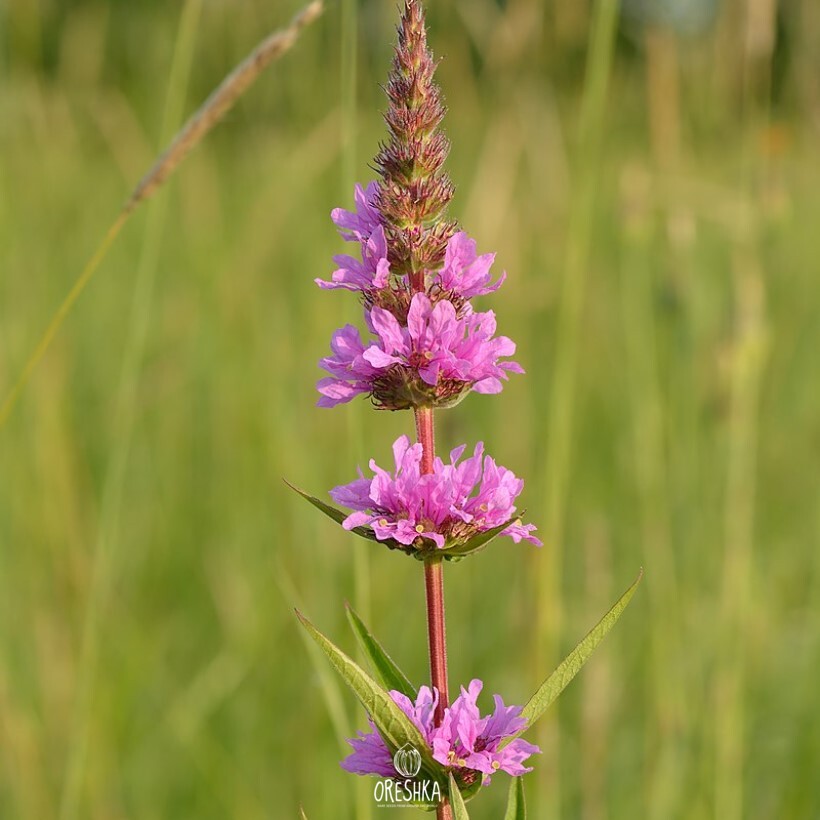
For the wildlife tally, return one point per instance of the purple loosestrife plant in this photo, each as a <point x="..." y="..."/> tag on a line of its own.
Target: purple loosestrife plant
<point x="416" y="275"/>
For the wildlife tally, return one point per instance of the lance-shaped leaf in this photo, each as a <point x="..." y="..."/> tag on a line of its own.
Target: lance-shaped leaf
<point x="331" y="512"/>
<point x="457" y="802"/>
<point x="516" y="807"/>
<point x="571" y="665"/>
<point x="394" y="726"/>
<point x="339" y="516"/>
<point x="383" y="665"/>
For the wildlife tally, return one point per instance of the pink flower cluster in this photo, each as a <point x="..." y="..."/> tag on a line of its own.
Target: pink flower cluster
<point x="427" y="348"/>
<point x="431" y="360"/>
<point x="466" y="743"/>
<point x="447" y="507"/>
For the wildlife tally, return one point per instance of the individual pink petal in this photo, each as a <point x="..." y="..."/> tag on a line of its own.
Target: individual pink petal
<point x="335" y="392"/>
<point x="378" y="358"/>
<point x="388" y="330"/>
<point x="487" y="386"/>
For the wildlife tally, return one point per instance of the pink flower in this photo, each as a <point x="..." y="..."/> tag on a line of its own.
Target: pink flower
<point x="433" y="361"/>
<point x="358" y="225"/>
<point x="371" y="273"/>
<point x="350" y="375"/>
<point x="464" y="274"/>
<point x="446" y="507"/>
<point x="466" y="743"/>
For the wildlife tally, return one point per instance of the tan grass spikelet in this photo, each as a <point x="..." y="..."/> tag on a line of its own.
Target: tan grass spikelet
<point x="191" y="134"/>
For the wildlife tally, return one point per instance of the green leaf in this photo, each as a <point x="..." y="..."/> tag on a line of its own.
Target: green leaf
<point x="571" y="665"/>
<point x="363" y="532"/>
<point x="394" y="726"/>
<point x="516" y="805"/>
<point x="331" y="512"/>
<point x="383" y="665"/>
<point x="457" y="802"/>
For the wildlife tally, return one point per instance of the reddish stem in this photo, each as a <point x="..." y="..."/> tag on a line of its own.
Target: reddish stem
<point x="433" y="577"/>
<point x="426" y="436"/>
<point x="434" y="589"/>
<point x="436" y="637"/>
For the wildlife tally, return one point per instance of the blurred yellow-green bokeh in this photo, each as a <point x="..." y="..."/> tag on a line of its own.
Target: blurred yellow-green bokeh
<point x="652" y="188"/>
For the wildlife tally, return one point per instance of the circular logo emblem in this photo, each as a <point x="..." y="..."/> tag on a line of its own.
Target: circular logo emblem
<point x="407" y="761"/>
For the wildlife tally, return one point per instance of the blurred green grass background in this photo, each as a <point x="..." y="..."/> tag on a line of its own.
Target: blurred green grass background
<point x="660" y="233"/>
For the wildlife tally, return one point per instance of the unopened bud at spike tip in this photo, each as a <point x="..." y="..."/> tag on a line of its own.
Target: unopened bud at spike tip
<point x="415" y="191"/>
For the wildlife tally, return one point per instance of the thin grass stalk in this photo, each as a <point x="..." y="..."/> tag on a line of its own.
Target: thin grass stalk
<point x="332" y="690"/>
<point x="651" y="480"/>
<point x="666" y="765"/>
<point x="746" y="372"/>
<point x="220" y="102"/>
<point x="549" y="615"/>
<point x="683" y="412"/>
<point x="349" y="75"/>
<point x="197" y="127"/>
<point x="737" y="583"/>
<point x="104" y="558"/>
<point x="355" y="428"/>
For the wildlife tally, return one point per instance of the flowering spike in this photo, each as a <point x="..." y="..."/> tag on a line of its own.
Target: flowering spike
<point x="426" y="348"/>
<point x="415" y="192"/>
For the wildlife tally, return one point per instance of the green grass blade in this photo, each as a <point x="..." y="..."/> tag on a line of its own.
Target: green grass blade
<point x="516" y="805"/>
<point x="394" y="726"/>
<point x="457" y="802"/>
<point x="383" y="665"/>
<point x="106" y="546"/>
<point x="571" y="665"/>
<point x="329" y="685"/>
